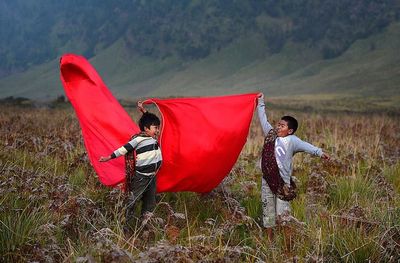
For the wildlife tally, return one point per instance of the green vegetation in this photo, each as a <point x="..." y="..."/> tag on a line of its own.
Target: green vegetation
<point x="34" y="33"/>
<point x="54" y="209"/>
<point x="19" y="227"/>
<point x="164" y="48"/>
<point x="357" y="79"/>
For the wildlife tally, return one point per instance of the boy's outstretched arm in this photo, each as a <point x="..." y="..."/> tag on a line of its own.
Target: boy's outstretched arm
<point x="302" y="146"/>
<point x="129" y="147"/>
<point x="265" y="125"/>
<point x="105" y="158"/>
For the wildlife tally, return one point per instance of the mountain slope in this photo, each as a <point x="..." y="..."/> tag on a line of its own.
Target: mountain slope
<point x="34" y="32"/>
<point x="368" y="68"/>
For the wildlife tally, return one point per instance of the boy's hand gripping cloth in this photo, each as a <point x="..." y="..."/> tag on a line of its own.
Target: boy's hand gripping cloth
<point x="201" y="138"/>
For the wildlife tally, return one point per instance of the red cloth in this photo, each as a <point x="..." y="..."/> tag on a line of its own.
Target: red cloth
<point x="105" y="125"/>
<point x="201" y="138"/>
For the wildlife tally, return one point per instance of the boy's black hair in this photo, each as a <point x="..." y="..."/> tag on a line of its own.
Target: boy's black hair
<point x="147" y="120"/>
<point x="291" y="122"/>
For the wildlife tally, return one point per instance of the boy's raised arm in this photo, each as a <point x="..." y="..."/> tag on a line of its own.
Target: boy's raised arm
<point x="140" y="107"/>
<point x="265" y="125"/>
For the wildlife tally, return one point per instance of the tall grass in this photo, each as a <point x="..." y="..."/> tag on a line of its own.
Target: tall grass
<point x="53" y="207"/>
<point x="352" y="244"/>
<point x="348" y="191"/>
<point x="19" y="227"/>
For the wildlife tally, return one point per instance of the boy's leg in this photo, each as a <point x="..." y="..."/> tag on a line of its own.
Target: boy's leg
<point x="283" y="218"/>
<point x="149" y="195"/>
<point x="138" y="185"/>
<point x="268" y="200"/>
<point x="282" y="210"/>
<point x="282" y="207"/>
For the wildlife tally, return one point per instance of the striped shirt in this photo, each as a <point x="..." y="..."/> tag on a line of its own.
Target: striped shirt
<point x="148" y="154"/>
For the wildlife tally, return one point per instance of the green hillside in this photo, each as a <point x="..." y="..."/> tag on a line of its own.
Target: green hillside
<point x="328" y="49"/>
<point x="369" y="68"/>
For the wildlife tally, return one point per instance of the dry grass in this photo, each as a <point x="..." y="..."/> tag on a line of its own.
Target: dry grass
<point x="52" y="208"/>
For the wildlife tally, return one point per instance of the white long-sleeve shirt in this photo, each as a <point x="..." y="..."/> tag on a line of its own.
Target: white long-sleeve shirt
<point x="285" y="147"/>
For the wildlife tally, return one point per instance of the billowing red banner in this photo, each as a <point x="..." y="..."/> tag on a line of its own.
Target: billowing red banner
<point x="201" y="138"/>
<point x="105" y="124"/>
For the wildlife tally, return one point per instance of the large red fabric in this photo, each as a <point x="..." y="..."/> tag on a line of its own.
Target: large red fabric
<point x="201" y="138"/>
<point x="105" y="124"/>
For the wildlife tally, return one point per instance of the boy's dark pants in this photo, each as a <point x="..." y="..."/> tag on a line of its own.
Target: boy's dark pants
<point x="142" y="187"/>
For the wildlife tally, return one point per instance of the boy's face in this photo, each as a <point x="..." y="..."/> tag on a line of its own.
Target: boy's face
<point x="283" y="129"/>
<point x="153" y="131"/>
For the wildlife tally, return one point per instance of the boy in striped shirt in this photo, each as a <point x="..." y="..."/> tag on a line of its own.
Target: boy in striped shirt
<point x="141" y="179"/>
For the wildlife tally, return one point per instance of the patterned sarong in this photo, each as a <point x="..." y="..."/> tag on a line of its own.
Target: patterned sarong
<point x="270" y="170"/>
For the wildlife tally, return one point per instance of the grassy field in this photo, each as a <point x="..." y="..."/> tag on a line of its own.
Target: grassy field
<point x="53" y="208"/>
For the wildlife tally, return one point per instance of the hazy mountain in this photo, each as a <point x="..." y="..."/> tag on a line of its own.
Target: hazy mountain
<point x="170" y="48"/>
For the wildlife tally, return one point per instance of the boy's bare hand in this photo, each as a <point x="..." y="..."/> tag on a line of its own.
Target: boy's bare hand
<point x="104" y="159"/>
<point x="260" y="95"/>
<point x="325" y="156"/>
<point x="140" y="107"/>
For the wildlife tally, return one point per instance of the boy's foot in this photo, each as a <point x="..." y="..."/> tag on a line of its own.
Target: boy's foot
<point x="270" y="233"/>
<point x="288" y="234"/>
<point x="131" y="226"/>
<point x="146" y="218"/>
<point x="127" y="231"/>
<point x="287" y="219"/>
